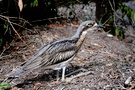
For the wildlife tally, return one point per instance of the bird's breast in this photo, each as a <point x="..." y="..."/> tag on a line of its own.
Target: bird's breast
<point x="81" y="39"/>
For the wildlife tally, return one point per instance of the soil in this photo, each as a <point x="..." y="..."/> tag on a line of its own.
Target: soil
<point x="104" y="62"/>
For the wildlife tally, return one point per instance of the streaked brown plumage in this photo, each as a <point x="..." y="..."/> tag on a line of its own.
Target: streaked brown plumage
<point x="58" y="54"/>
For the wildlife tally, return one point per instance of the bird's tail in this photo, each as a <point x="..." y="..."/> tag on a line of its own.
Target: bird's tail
<point x="24" y="68"/>
<point x="17" y="72"/>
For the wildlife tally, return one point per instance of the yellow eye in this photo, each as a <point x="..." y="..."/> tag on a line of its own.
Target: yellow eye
<point x="91" y="24"/>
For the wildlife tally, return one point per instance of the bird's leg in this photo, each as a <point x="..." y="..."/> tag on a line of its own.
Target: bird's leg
<point x="63" y="73"/>
<point x="57" y="75"/>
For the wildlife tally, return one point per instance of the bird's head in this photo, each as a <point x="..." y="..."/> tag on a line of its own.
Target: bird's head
<point x="89" y="26"/>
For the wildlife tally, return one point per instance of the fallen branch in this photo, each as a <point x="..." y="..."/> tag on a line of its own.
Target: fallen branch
<point x="7" y="19"/>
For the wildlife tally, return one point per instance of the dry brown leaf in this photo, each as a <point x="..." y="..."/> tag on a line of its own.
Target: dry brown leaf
<point x="16" y="48"/>
<point x="36" y="87"/>
<point x="60" y="25"/>
<point x="15" y="88"/>
<point x="20" y="4"/>
<point x="132" y="87"/>
<point x="51" y="25"/>
<point x="107" y="25"/>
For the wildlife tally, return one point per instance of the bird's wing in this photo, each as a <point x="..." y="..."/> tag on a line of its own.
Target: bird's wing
<point x="63" y="46"/>
<point x="53" y="53"/>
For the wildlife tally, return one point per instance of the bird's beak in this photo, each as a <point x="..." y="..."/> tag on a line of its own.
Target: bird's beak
<point x="100" y="26"/>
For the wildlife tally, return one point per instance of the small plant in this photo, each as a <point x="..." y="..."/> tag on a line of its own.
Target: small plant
<point x="119" y="32"/>
<point x="32" y="4"/>
<point x="35" y="3"/>
<point x="128" y="12"/>
<point x="1" y="41"/>
<point x="3" y="86"/>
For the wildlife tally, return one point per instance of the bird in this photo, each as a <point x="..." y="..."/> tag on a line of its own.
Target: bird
<point x="58" y="54"/>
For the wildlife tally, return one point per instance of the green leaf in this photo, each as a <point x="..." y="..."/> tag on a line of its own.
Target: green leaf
<point x="121" y="35"/>
<point x="134" y="16"/>
<point x="31" y="4"/>
<point x="49" y="3"/>
<point x="4" y="85"/>
<point x="5" y="26"/>
<point x="35" y="2"/>
<point x="1" y="41"/>
<point x="117" y="31"/>
<point x="25" y="5"/>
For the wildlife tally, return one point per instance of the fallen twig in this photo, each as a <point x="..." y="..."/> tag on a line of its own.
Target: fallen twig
<point x="78" y="75"/>
<point x="128" y="80"/>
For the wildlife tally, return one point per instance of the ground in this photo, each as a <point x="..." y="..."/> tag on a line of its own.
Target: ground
<point x="103" y="63"/>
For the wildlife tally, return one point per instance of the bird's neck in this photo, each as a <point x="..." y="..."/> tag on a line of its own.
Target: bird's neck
<point x="79" y="37"/>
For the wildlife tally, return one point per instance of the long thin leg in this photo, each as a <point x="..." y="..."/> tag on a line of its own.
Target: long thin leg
<point x="63" y="73"/>
<point x="58" y="75"/>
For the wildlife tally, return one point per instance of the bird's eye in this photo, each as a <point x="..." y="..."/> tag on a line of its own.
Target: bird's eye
<point x="90" y="24"/>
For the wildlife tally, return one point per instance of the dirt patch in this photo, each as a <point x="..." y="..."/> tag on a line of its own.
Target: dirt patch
<point x="103" y="63"/>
